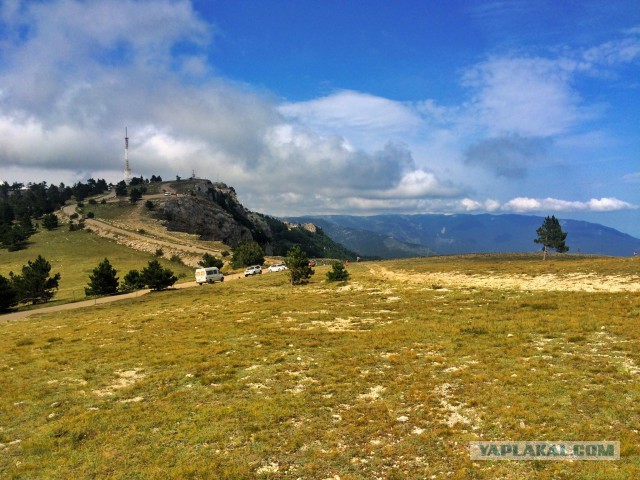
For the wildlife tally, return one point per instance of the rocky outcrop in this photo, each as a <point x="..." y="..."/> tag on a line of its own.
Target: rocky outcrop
<point x="212" y="211"/>
<point x="210" y="222"/>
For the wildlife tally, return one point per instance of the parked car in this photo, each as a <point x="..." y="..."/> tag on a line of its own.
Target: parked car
<point x="278" y="267"/>
<point x="253" y="270"/>
<point x="209" y="275"/>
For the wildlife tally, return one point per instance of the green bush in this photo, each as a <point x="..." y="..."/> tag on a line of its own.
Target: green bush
<point x="50" y="221"/>
<point x="246" y="254"/>
<point x="132" y="281"/>
<point x="338" y="273"/>
<point x="209" y="260"/>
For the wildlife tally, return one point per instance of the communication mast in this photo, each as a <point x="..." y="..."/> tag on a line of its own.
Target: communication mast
<point x="127" y="169"/>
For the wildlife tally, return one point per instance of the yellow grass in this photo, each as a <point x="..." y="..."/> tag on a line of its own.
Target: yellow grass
<point x="386" y="376"/>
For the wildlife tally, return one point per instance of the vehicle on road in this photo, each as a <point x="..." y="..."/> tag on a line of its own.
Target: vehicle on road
<point x="209" y="275"/>
<point x="253" y="270"/>
<point x="278" y="267"/>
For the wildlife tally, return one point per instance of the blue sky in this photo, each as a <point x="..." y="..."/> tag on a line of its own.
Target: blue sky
<point x="358" y="107"/>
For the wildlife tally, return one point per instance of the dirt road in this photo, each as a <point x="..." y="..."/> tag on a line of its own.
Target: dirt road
<point x="172" y="244"/>
<point x="9" y="317"/>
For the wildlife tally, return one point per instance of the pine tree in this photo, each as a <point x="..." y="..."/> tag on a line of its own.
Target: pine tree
<point x="209" y="260"/>
<point x="103" y="280"/>
<point x="132" y="281"/>
<point x="8" y="294"/>
<point x="297" y="263"/>
<point x="338" y="273"/>
<point x="135" y="195"/>
<point x="156" y="277"/>
<point x="50" y="221"/>
<point x="246" y="254"/>
<point x="35" y="285"/>
<point x="121" y="189"/>
<point x="550" y="235"/>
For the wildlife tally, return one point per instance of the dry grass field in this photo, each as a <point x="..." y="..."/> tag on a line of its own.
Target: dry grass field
<point x="389" y="375"/>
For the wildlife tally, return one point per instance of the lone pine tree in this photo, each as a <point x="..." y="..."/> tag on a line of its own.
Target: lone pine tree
<point x="550" y="235"/>
<point x="297" y="263"/>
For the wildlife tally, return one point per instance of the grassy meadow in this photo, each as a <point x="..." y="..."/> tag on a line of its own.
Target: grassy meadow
<point x="373" y="378"/>
<point x="75" y="255"/>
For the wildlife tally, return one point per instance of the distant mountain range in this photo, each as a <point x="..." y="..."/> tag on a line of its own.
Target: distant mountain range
<point x="401" y="236"/>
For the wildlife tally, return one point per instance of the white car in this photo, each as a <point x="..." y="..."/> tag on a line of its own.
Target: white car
<point x="253" y="270"/>
<point x="278" y="267"/>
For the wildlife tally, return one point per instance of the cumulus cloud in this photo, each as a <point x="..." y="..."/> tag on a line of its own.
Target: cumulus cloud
<point x="69" y="43"/>
<point x="330" y="165"/>
<point x="469" y="205"/>
<point x="73" y="74"/>
<point x="85" y="70"/>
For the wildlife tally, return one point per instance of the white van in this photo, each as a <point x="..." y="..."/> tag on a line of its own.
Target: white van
<point x="209" y="275"/>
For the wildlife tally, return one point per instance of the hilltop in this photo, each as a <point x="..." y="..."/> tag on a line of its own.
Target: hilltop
<point x="188" y="218"/>
<point x="212" y="211"/>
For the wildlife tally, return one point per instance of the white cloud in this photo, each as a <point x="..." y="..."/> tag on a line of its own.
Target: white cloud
<point x="531" y="97"/>
<point x="525" y="204"/>
<point x="469" y="205"/>
<point x="363" y="116"/>
<point x="353" y="109"/>
<point x="614" y="52"/>
<point x="418" y="184"/>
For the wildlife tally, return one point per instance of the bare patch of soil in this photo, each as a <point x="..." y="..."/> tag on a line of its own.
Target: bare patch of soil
<point x="571" y="282"/>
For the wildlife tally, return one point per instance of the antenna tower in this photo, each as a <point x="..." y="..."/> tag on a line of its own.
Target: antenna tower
<point x="127" y="169"/>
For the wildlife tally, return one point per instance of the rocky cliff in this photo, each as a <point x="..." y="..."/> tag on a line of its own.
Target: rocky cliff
<point x="212" y="211"/>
